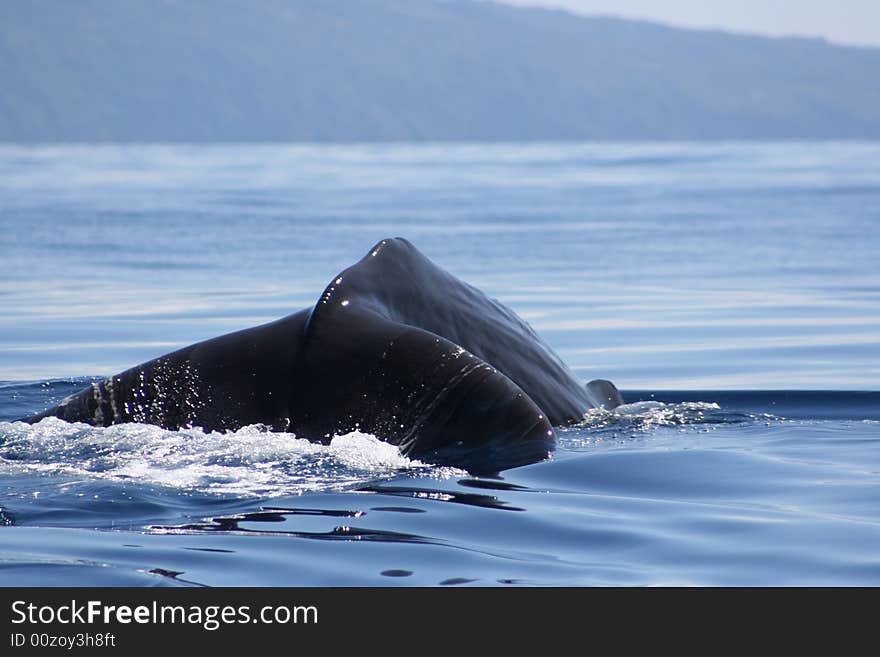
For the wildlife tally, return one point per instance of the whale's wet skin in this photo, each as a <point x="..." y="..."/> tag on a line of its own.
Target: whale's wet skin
<point x="709" y="269"/>
<point x="395" y="347"/>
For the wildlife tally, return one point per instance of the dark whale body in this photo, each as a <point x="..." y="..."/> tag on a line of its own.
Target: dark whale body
<point x="395" y="346"/>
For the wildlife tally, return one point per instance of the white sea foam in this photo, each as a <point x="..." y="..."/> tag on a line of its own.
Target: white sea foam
<point x="655" y="413"/>
<point x="250" y="461"/>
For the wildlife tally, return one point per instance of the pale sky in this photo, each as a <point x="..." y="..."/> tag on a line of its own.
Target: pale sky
<point x="842" y="21"/>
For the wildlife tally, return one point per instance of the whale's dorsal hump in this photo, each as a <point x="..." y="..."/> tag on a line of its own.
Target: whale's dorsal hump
<point x="604" y="393"/>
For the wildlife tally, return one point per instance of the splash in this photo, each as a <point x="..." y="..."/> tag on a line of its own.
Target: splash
<point x="252" y="461"/>
<point x="648" y="414"/>
<point x="630" y="421"/>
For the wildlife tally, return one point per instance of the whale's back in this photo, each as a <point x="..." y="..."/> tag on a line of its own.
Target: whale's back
<point x="395" y="346"/>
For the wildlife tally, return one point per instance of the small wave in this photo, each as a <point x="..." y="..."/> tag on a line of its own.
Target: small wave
<point x="252" y="461"/>
<point x="641" y="417"/>
<point x="647" y="414"/>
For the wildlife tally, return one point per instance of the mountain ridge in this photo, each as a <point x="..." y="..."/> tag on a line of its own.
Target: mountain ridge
<point x="411" y="70"/>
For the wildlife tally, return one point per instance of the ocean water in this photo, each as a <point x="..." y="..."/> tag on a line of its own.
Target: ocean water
<point x="732" y="291"/>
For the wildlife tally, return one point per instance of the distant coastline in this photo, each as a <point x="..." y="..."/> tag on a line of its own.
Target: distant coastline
<point x="254" y="71"/>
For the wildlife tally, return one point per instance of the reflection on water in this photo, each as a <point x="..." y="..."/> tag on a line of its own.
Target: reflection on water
<point x="751" y="501"/>
<point x="439" y="494"/>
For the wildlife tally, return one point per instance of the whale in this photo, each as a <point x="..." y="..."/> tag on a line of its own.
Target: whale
<point x="395" y="346"/>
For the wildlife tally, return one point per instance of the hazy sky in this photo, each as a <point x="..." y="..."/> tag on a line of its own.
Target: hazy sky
<point x="843" y="21"/>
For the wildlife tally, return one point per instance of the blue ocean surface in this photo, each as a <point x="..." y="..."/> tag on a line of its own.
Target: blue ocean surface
<point x="731" y="290"/>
